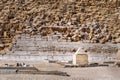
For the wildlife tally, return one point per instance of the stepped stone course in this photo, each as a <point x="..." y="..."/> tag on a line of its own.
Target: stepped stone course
<point x="97" y="21"/>
<point x="34" y="47"/>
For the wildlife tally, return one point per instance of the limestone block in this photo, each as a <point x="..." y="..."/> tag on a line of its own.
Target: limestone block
<point x="5" y="34"/>
<point x="118" y="54"/>
<point x="75" y="38"/>
<point x="80" y="59"/>
<point x="117" y="40"/>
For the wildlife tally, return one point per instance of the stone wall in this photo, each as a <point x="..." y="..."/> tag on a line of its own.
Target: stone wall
<point x="36" y="58"/>
<point x="97" y="53"/>
<point x="99" y="58"/>
<point x="96" y="21"/>
<point x="30" y="47"/>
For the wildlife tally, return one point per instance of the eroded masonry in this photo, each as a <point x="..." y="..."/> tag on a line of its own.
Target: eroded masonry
<point x="56" y="29"/>
<point x="51" y="48"/>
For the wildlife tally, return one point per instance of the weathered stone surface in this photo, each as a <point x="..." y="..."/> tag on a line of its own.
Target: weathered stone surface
<point x="90" y="18"/>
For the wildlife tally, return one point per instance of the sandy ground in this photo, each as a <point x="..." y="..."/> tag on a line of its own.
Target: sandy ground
<point x="89" y="73"/>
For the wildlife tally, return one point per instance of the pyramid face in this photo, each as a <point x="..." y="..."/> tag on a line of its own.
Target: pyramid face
<point x="93" y="21"/>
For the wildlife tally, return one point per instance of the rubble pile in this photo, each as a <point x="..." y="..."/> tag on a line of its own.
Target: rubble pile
<point x="97" y="21"/>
